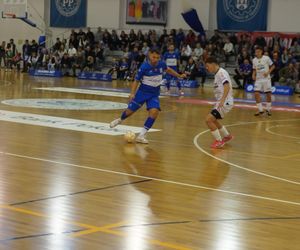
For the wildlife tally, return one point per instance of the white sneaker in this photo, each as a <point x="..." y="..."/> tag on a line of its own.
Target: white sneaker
<point x="181" y="92"/>
<point x="141" y="139"/>
<point x="115" y="123"/>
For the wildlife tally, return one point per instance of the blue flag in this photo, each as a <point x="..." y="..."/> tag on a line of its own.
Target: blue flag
<point x="192" y="19"/>
<point x="68" y="13"/>
<point x="242" y="15"/>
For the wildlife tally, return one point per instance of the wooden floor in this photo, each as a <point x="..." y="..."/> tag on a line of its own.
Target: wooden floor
<point x="64" y="189"/>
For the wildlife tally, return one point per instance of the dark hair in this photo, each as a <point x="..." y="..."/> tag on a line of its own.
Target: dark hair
<point x="154" y="50"/>
<point x="212" y="59"/>
<point x="259" y="47"/>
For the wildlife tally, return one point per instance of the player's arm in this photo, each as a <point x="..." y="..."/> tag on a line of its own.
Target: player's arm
<point x="134" y="87"/>
<point x="225" y="93"/>
<point x="254" y="74"/>
<point x="174" y="73"/>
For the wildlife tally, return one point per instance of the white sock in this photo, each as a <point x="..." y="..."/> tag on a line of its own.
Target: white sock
<point x="268" y="106"/>
<point x="224" y="131"/>
<point x="216" y="135"/>
<point x="143" y="132"/>
<point x="260" y="107"/>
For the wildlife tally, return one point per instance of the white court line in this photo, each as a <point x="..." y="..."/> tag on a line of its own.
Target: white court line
<point x="278" y="126"/>
<point x="88" y="91"/>
<point x="236" y="165"/>
<point x="151" y="178"/>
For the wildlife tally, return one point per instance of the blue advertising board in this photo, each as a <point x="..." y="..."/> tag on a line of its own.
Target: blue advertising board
<point x="95" y="76"/>
<point x="276" y="90"/>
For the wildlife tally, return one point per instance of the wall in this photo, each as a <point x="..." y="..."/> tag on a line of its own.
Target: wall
<point x="17" y="29"/>
<point x="283" y="16"/>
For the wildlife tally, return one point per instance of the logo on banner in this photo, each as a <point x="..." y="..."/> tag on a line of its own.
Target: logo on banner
<point x="242" y="10"/>
<point x="67" y="8"/>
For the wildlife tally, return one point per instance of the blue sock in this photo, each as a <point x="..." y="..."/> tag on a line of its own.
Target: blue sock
<point x="149" y="123"/>
<point x="179" y="85"/>
<point x="168" y="84"/>
<point x="123" y="116"/>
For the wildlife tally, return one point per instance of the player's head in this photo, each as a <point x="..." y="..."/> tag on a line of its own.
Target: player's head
<point x="154" y="56"/>
<point x="212" y="64"/>
<point x="259" y="51"/>
<point x="171" y="47"/>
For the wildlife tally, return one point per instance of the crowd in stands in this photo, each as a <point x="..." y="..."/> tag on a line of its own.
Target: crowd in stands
<point x="87" y="50"/>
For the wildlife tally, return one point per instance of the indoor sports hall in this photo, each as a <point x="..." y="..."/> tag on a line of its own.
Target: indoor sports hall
<point x="70" y="179"/>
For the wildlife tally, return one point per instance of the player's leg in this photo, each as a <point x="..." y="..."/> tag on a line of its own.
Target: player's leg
<point x="268" y="92"/>
<point x="167" y="79"/>
<point x="258" y="87"/>
<point x="179" y="86"/>
<point x="133" y="106"/>
<point x="214" y="128"/>
<point x="153" y="107"/>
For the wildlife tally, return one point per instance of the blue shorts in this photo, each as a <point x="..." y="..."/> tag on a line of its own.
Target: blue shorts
<point x="151" y="100"/>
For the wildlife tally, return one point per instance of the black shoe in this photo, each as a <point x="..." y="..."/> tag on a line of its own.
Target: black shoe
<point x="259" y="113"/>
<point x="268" y="113"/>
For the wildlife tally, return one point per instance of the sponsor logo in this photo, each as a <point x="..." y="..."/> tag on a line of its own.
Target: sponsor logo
<point x="66" y="104"/>
<point x="66" y="123"/>
<point x="242" y="10"/>
<point x="67" y="8"/>
<point x="250" y="88"/>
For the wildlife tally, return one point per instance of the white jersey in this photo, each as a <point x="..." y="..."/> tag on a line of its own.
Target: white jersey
<point x="262" y="65"/>
<point x="222" y="77"/>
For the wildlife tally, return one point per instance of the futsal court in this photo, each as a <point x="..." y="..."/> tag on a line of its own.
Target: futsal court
<point x="68" y="181"/>
<point x="64" y="189"/>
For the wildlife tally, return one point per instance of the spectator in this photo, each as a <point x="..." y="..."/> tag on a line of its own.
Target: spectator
<point x="99" y="35"/>
<point x="186" y="52"/>
<point x="289" y="75"/>
<point x="191" y="69"/>
<point x="198" y="52"/>
<point x="90" y="36"/>
<point x="278" y="65"/>
<point x="244" y="72"/>
<point x="79" y="62"/>
<point x="3" y="54"/>
<point x="123" y="70"/>
<point x="89" y="65"/>
<point x="65" y="65"/>
<point x="228" y="49"/>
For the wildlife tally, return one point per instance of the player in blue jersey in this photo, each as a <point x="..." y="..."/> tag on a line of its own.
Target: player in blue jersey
<point x="146" y="89"/>
<point x="171" y="57"/>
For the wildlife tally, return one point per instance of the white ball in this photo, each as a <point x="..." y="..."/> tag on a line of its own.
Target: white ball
<point x="129" y="136"/>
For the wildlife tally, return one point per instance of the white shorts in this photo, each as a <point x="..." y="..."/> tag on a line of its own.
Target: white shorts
<point x="264" y="85"/>
<point x="219" y="113"/>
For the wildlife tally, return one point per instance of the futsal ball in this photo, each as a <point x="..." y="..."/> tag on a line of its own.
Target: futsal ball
<point x="129" y="137"/>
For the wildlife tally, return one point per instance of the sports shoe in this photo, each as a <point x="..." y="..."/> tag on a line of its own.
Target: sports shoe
<point x="115" y="123"/>
<point x="141" y="139"/>
<point x="181" y="93"/>
<point x="259" y="113"/>
<point x="227" y="138"/>
<point x="268" y="112"/>
<point x="218" y="144"/>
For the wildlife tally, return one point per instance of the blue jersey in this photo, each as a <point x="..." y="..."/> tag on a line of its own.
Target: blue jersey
<point x="151" y="76"/>
<point x="171" y="59"/>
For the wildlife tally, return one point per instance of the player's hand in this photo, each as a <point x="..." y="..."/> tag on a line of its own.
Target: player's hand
<point x="131" y="96"/>
<point x="182" y="76"/>
<point x="221" y="105"/>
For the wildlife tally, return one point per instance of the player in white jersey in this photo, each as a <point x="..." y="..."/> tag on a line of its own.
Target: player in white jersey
<point x="262" y="68"/>
<point x="224" y="103"/>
